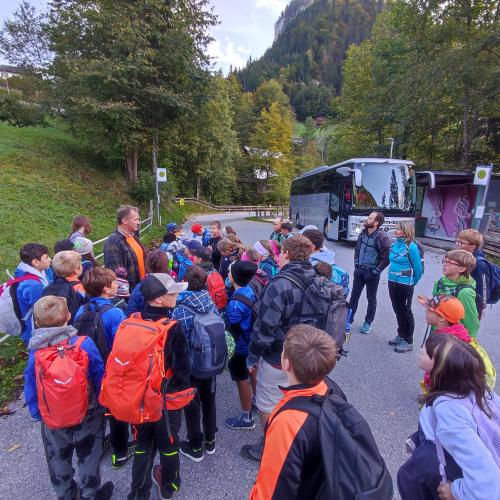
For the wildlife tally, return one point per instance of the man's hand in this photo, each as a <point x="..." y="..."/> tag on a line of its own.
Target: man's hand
<point x="444" y="491"/>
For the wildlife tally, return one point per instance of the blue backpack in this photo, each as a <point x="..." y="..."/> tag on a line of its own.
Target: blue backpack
<point x="492" y="281"/>
<point x="341" y="278"/>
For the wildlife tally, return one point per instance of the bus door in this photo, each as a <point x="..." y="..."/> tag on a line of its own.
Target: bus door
<point x="334" y="211"/>
<point x="345" y="207"/>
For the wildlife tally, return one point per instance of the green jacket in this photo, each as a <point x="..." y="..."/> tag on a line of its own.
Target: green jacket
<point x="467" y="296"/>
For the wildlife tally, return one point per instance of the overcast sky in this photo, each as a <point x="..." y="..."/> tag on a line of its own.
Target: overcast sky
<point x="246" y="28"/>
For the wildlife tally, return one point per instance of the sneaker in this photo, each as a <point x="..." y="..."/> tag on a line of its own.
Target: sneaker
<point x="117" y="462"/>
<point x="366" y="328"/>
<point x="163" y="493"/>
<point x="105" y="491"/>
<point x="194" y="454"/>
<point x="239" y="423"/>
<point x="253" y="452"/>
<point x="210" y="446"/>
<point x="396" y="340"/>
<point x="403" y="346"/>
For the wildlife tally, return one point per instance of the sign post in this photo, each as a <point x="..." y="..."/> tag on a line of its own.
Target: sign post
<point x="161" y="176"/>
<point x="482" y="178"/>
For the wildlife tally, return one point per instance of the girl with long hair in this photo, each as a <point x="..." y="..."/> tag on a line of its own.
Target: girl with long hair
<point x="230" y="251"/>
<point x="269" y="257"/>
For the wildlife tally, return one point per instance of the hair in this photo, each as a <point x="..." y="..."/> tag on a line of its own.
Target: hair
<point x="226" y="245"/>
<point x="169" y="237"/>
<point x="232" y="237"/>
<point x="458" y="370"/>
<point x="97" y="279"/>
<point x="379" y="217"/>
<point x="324" y="269"/>
<point x="267" y="246"/>
<point x="288" y="226"/>
<point x="206" y="254"/>
<point x="66" y="263"/>
<point x="253" y="255"/>
<point x="408" y="229"/>
<point x="124" y="211"/>
<point x="472" y="237"/>
<point x="50" y="311"/>
<point x="299" y="248"/>
<point x="31" y="251"/>
<point x="230" y="230"/>
<point x="82" y="221"/>
<point x="315" y="236"/>
<point x="196" y="278"/>
<point x="157" y="262"/>
<point x="62" y="245"/>
<point x="464" y="259"/>
<point x="312" y="353"/>
<point x="216" y="223"/>
<point x="278" y="221"/>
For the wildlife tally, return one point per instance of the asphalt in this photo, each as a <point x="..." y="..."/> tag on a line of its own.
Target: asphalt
<point x="381" y="384"/>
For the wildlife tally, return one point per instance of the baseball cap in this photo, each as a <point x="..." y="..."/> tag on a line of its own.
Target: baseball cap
<point x="158" y="284"/>
<point x="171" y="227"/>
<point x="83" y="246"/>
<point x="196" y="228"/>
<point x="449" y="308"/>
<point x="193" y="245"/>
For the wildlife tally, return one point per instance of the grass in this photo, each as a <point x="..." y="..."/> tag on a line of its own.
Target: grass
<point x="258" y="219"/>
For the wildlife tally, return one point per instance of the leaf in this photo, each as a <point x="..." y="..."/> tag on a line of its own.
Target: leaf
<point x="14" y="447"/>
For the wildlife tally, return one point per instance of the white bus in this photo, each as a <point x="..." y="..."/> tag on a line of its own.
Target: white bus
<point x="338" y="198"/>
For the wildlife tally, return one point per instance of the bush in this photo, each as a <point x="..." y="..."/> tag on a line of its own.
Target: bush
<point x="144" y="190"/>
<point x="20" y="114"/>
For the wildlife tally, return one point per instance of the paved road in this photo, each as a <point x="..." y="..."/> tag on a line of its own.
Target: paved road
<point x="382" y="385"/>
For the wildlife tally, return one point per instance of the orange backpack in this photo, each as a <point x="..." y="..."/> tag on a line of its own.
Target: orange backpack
<point x="61" y="384"/>
<point x="132" y="385"/>
<point x="217" y="290"/>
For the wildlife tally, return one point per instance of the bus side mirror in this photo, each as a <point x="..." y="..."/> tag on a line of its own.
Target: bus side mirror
<point x="358" y="177"/>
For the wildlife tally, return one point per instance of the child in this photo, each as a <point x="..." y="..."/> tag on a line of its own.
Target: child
<point x="29" y="282"/>
<point x="160" y="292"/>
<point x="459" y="421"/>
<point x="215" y="236"/>
<point x="286" y="229"/>
<point x="186" y="258"/>
<point x="67" y="266"/>
<point x="82" y="429"/>
<point x="240" y="324"/>
<point x="269" y="261"/>
<point x="215" y="284"/>
<point x="197" y="300"/>
<point x="84" y="247"/>
<point x="324" y="269"/>
<point x="200" y="234"/>
<point x="444" y="314"/>
<point x="457" y="266"/>
<point x="291" y="461"/>
<point x="230" y="251"/>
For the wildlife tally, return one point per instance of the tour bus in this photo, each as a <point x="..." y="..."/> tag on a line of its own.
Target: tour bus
<point x="338" y="198"/>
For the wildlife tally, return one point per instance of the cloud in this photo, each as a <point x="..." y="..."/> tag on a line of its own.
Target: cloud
<point x="226" y="54"/>
<point x="277" y="6"/>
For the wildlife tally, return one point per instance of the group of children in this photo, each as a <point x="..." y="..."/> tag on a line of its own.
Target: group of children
<point x="80" y="346"/>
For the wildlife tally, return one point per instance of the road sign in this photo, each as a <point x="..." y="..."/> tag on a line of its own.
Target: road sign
<point x="483" y="174"/>
<point x="161" y="174"/>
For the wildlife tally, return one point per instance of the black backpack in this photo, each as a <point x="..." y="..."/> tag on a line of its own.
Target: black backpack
<point x="479" y="299"/>
<point x="258" y="282"/>
<point x="61" y="287"/>
<point x="90" y="324"/>
<point x="352" y="464"/>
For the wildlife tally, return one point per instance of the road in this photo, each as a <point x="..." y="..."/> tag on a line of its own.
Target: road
<point x="381" y="384"/>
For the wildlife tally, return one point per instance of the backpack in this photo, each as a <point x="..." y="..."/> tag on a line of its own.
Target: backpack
<point x="217" y="290"/>
<point x="457" y="289"/>
<point x="89" y="324"/>
<point x="207" y="344"/>
<point x="133" y="380"/>
<point x="420" y="252"/>
<point x="323" y="306"/>
<point x="352" y="464"/>
<point x="493" y="282"/>
<point x="258" y="282"/>
<point x="61" y="287"/>
<point x="341" y="278"/>
<point x="61" y="384"/>
<point x="11" y="321"/>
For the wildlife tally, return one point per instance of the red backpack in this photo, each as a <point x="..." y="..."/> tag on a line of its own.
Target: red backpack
<point x="217" y="290"/>
<point x="61" y="384"/>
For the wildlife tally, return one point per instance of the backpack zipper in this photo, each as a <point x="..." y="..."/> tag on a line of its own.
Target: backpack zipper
<point x="40" y="374"/>
<point x="150" y="369"/>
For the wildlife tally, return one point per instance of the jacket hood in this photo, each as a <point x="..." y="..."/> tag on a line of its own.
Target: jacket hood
<point x="324" y="255"/>
<point x="23" y="269"/>
<point x="458" y="330"/>
<point x="461" y="280"/>
<point x="302" y="270"/>
<point x="199" y="301"/>
<point x="45" y="337"/>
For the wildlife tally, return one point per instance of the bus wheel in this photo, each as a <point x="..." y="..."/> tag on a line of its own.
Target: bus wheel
<point x="325" y="229"/>
<point x="297" y="221"/>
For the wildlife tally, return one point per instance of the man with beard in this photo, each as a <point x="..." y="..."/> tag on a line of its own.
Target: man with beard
<point x="371" y="257"/>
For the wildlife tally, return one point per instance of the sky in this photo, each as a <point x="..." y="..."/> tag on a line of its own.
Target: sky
<point x="246" y="28"/>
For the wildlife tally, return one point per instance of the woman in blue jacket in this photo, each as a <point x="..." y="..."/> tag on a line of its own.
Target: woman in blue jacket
<point x="405" y="271"/>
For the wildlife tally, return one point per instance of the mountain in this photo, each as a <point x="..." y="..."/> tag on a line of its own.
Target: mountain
<point x="292" y="10"/>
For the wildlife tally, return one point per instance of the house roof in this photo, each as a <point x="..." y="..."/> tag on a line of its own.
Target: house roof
<point x="10" y="69"/>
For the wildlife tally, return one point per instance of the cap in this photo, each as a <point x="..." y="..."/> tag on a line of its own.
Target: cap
<point x="158" y="284"/>
<point x="193" y="245"/>
<point x="446" y="306"/>
<point x="242" y="272"/>
<point x="305" y="228"/>
<point x="171" y="227"/>
<point x="196" y="228"/>
<point x="204" y="253"/>
<point x="83" y="246"/>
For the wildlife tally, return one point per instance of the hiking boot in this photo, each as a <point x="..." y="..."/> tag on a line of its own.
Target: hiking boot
<point x="105" y="491"/>
<point x="239" y="423"/>
<point x="210" y="446"/>
<point x="253" y="452"/>
<point x="403" y="346"/>
<point x="194" y="454"/>
<point x="366" y="328"/>
<point x="396" y="340"/>
<point x="118" y="461"/>
<point x="164" y="493"/>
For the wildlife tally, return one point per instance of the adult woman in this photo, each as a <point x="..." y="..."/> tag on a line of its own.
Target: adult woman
<point x="405" y="270"/>
<point x="81" y="227"/>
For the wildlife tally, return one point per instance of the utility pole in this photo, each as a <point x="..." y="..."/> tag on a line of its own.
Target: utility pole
<point x="392" y="146"/>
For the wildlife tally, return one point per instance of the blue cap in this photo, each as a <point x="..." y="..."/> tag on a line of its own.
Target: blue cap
<point x="171" y="227"/>
<point x="193" y="245"/>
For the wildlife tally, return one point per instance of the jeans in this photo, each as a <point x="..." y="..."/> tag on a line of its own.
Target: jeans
<point x="364" y="277"/>
<point x="401" y="297"/>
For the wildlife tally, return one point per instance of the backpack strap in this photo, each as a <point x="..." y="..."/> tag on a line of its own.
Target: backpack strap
<point x="459" y="288"/>
<point x="13" y="286"/>
<point x="307" y="404"/>
<point x="244" y="300"/>
<point x="293" y="279"/>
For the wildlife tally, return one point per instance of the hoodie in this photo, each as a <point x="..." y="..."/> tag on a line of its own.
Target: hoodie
<point x="45" y="337"/>
<point x="28" y="292"/>
<point x="467" y="296"/>
<point x="323" y="255"/>
<point x="240" y="319"/>
<point x="270" y="267"/>
<point x="405" y="265"/>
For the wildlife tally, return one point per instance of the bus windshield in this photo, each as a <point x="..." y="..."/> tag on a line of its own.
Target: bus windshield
<point x="384" y="186"/>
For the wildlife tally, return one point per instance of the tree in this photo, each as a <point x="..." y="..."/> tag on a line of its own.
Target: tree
<point x="309" y="131"/>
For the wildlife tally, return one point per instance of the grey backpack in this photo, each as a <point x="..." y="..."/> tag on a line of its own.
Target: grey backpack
<point x="207" y="345"/>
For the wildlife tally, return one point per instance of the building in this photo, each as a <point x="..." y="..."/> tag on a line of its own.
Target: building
<point x="9" y="72"/>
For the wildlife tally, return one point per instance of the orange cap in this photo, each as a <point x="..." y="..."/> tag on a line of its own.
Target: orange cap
<point x="449" y="308"/>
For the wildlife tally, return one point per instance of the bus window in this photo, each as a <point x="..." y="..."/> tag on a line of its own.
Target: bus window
<point x="334" y="200"/>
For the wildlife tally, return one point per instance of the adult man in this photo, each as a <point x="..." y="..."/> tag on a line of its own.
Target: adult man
<point x="279" y="309"/>
<point x="371" y="257"/>
<point x="277" y="235"/>
<point x="215" y="237"/>
<point x="124" y="249"/>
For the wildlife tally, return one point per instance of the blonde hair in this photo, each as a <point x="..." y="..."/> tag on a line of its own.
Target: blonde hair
<point x="463" y="258"/>
<point x="50" y="311"/>
<point x="66" y="263"/>
<point x="472" y="237"/>
<point x="408" y="229"/>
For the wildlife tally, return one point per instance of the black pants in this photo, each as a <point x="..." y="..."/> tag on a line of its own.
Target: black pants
<point x="401" y="297"/>
<point x="362" y="278"/>
<point x="150" y="438"/>
<point x="202" y="404"/>
<point x="118" y="434"/>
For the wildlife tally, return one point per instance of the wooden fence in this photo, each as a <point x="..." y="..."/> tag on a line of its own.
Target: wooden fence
<point x="492" y="237"/>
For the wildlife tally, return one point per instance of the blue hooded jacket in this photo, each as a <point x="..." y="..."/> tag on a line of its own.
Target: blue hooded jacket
<point x="323" y="255"/>
<point x="240" y="314"/>
<point x="269" y="266"/>
<point x="405" y="266"/>
<point x="136" y="301"/>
